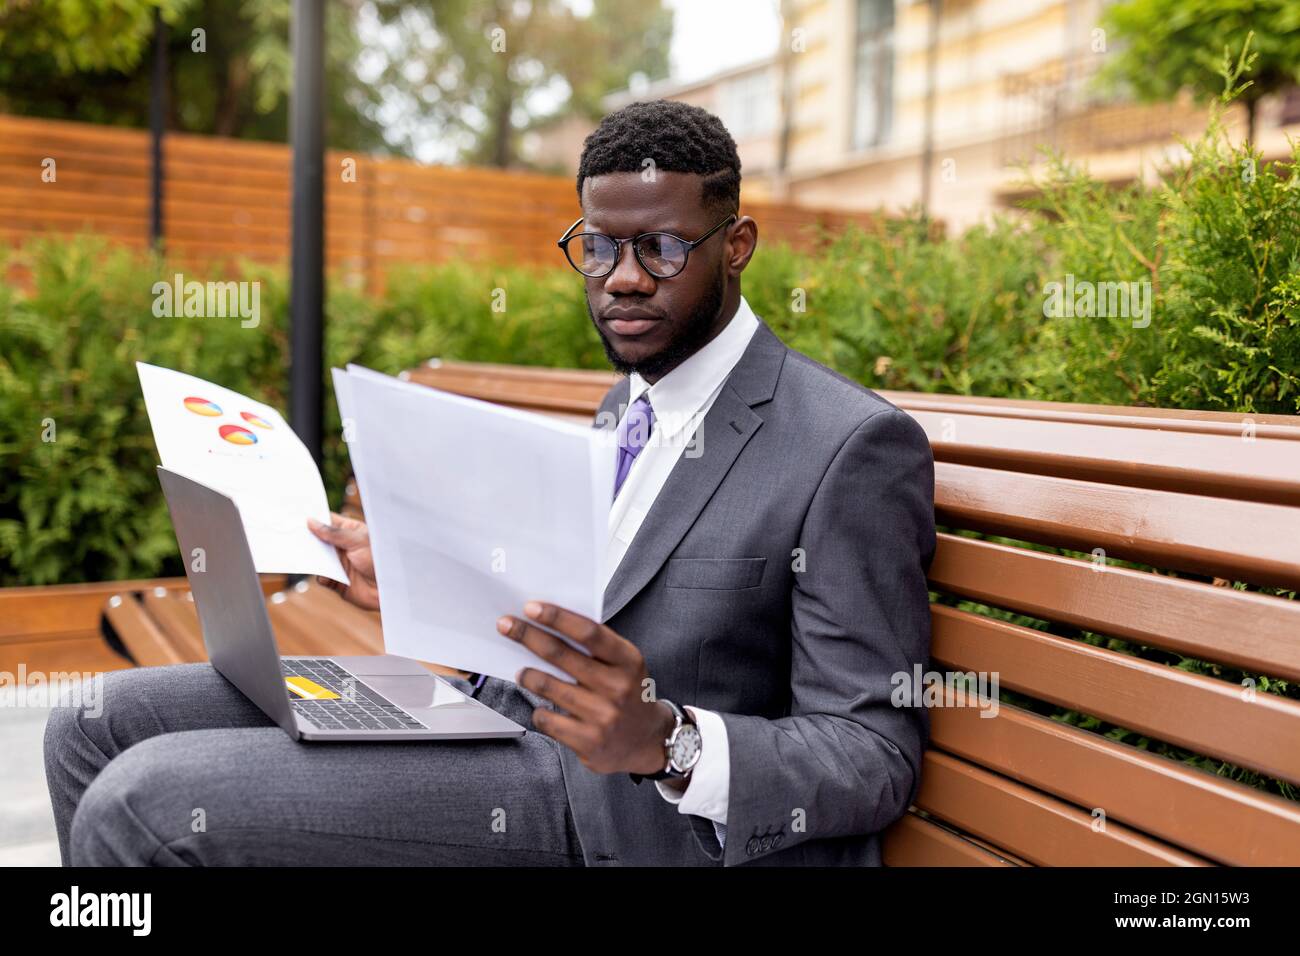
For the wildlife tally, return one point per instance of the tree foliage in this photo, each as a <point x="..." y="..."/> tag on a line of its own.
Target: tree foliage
<point x="475" y="73"/>
<point x="76" y="37"/>
<point x="481" y="73"/>
<point x="1168" y="46"/>
<point x="230" y="68"/>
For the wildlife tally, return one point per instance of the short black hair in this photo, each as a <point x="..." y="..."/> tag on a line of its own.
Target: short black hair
<point x="678" y="137"/>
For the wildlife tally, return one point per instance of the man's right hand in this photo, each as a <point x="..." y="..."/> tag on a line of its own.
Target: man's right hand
<point x="352" y="539"/>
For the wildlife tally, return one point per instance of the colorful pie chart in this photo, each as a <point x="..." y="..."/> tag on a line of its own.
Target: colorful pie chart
<point x="257" y="420"/>
<point x="238" y="435"/>
<point x="201" y="406"/>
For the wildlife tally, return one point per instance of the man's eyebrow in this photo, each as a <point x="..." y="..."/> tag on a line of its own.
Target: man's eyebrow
<point x="671" y="226"/>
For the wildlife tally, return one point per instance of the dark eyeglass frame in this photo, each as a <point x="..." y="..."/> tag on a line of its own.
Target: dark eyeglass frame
<point x="634" y="240"/>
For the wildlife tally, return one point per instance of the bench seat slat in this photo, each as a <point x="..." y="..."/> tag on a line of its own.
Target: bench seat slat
<point x="362" y="627"/>
<point x="1214" y="817"/>
<point x="1202" y="714"/>
<point x="178" y="619"/>
<point x="1190" y="617"/>
<point x="1237" y="540"/>
<point x="315" y="621"/>
<point x="297" y="635"/>
<point x="139" y="633"/>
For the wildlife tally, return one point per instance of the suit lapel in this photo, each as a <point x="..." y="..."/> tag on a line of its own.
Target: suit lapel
<point x="611" y="407"/>
<point x="723" y="434"/>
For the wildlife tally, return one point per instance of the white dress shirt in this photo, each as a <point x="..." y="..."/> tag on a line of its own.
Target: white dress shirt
<point x="680" y="401"/>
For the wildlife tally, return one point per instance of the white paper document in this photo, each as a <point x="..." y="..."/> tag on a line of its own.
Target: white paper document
<point x="246" y="451"/>
<point x="473" y="510"/>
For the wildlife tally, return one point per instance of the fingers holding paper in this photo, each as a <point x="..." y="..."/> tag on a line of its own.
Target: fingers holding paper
<point x="351" y="538"/>
<point x="608" y="720"/>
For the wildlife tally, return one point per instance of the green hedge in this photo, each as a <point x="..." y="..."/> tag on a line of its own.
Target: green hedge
<point x="1219" y="241"/>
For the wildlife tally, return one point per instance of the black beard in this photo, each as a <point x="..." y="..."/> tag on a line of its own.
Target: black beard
<point x="690" y="340"/>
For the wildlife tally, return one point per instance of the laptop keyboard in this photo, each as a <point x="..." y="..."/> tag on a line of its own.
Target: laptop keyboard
<point x="357" y="708"/>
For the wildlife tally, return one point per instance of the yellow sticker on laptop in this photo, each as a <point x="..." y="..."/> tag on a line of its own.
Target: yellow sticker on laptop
<point x="309" y="689"/>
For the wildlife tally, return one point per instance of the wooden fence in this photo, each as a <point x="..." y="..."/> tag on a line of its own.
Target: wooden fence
<point x="228" y="199"/>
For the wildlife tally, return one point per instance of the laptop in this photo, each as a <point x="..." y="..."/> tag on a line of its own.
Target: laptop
<point x="381" y="697"/>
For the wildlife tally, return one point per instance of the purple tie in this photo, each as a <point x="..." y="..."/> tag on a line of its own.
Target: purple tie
<point x="633" y="435"/>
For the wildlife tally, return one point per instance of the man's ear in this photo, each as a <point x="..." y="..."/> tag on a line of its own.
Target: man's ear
<point x="742" y="240"/>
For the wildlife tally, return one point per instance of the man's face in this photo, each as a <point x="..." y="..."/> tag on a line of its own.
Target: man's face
<point x="650" y="325"/>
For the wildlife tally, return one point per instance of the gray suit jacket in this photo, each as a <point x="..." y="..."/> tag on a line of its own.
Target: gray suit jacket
<point x="779" y="580"/>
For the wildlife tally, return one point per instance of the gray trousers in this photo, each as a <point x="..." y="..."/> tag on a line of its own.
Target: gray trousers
<point x="180" y="769"/>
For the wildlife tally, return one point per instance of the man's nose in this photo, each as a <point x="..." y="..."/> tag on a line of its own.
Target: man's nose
<point x="628" y="278"/>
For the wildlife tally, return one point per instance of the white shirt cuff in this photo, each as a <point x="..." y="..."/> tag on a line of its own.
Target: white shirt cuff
<point x="710" y="785"/>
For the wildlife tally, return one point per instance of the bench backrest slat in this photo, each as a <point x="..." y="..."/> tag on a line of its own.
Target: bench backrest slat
<point x="1262" y="470"/>
<point x="916" y="841"/>
<point x="1210" y="815"/>
<point x="1233" y="424"/>
<point x="1190" y="617"/>
<point x="1205" y="715"/>
<point x="28" y="612"/>
<point x="1222" y="537"/>
<point x="1035" y="826"/>
<point x="573" y="394"/>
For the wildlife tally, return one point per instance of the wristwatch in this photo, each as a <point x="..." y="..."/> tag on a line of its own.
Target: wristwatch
<point x="681" y="748"/>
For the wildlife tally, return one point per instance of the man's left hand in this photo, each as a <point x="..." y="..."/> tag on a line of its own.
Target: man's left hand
<point x="610" y="721"/>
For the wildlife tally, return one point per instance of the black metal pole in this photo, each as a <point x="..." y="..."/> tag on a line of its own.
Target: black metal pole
<point x="157" y="123"/>
<point x="307" y="278"/>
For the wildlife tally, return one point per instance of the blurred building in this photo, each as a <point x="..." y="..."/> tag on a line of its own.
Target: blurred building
<point x="894" y="103"/>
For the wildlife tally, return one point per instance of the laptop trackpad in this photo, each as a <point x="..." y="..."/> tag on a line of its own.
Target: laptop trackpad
<point x="419" y="693"/>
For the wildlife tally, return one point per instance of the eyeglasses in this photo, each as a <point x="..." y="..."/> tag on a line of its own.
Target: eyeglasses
<point x="661" y="254"/>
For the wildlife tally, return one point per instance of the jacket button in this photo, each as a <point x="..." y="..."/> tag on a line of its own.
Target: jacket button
<point x="765" y="844"/>
<point x="777" y="840"/>
<point x="752" y="846"/>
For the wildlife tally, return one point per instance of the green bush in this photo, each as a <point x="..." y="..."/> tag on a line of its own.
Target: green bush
<point x="86" y="505"/>
<point x="900" y="311"/>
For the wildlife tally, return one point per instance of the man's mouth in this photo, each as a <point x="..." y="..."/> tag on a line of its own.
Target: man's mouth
<point x="629" y="322"/>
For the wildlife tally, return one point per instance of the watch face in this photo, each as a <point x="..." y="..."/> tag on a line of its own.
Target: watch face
<point x="686" y="747"/>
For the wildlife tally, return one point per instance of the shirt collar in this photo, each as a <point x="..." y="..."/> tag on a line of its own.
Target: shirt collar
<point x="682" y="392"/>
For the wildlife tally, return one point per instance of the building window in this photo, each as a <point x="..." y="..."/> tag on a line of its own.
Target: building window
<point x="873" y="73"/>
<point x="748" y="105"/>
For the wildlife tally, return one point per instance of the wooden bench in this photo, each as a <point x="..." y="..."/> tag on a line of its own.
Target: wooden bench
<point x="1204" y="498"/>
